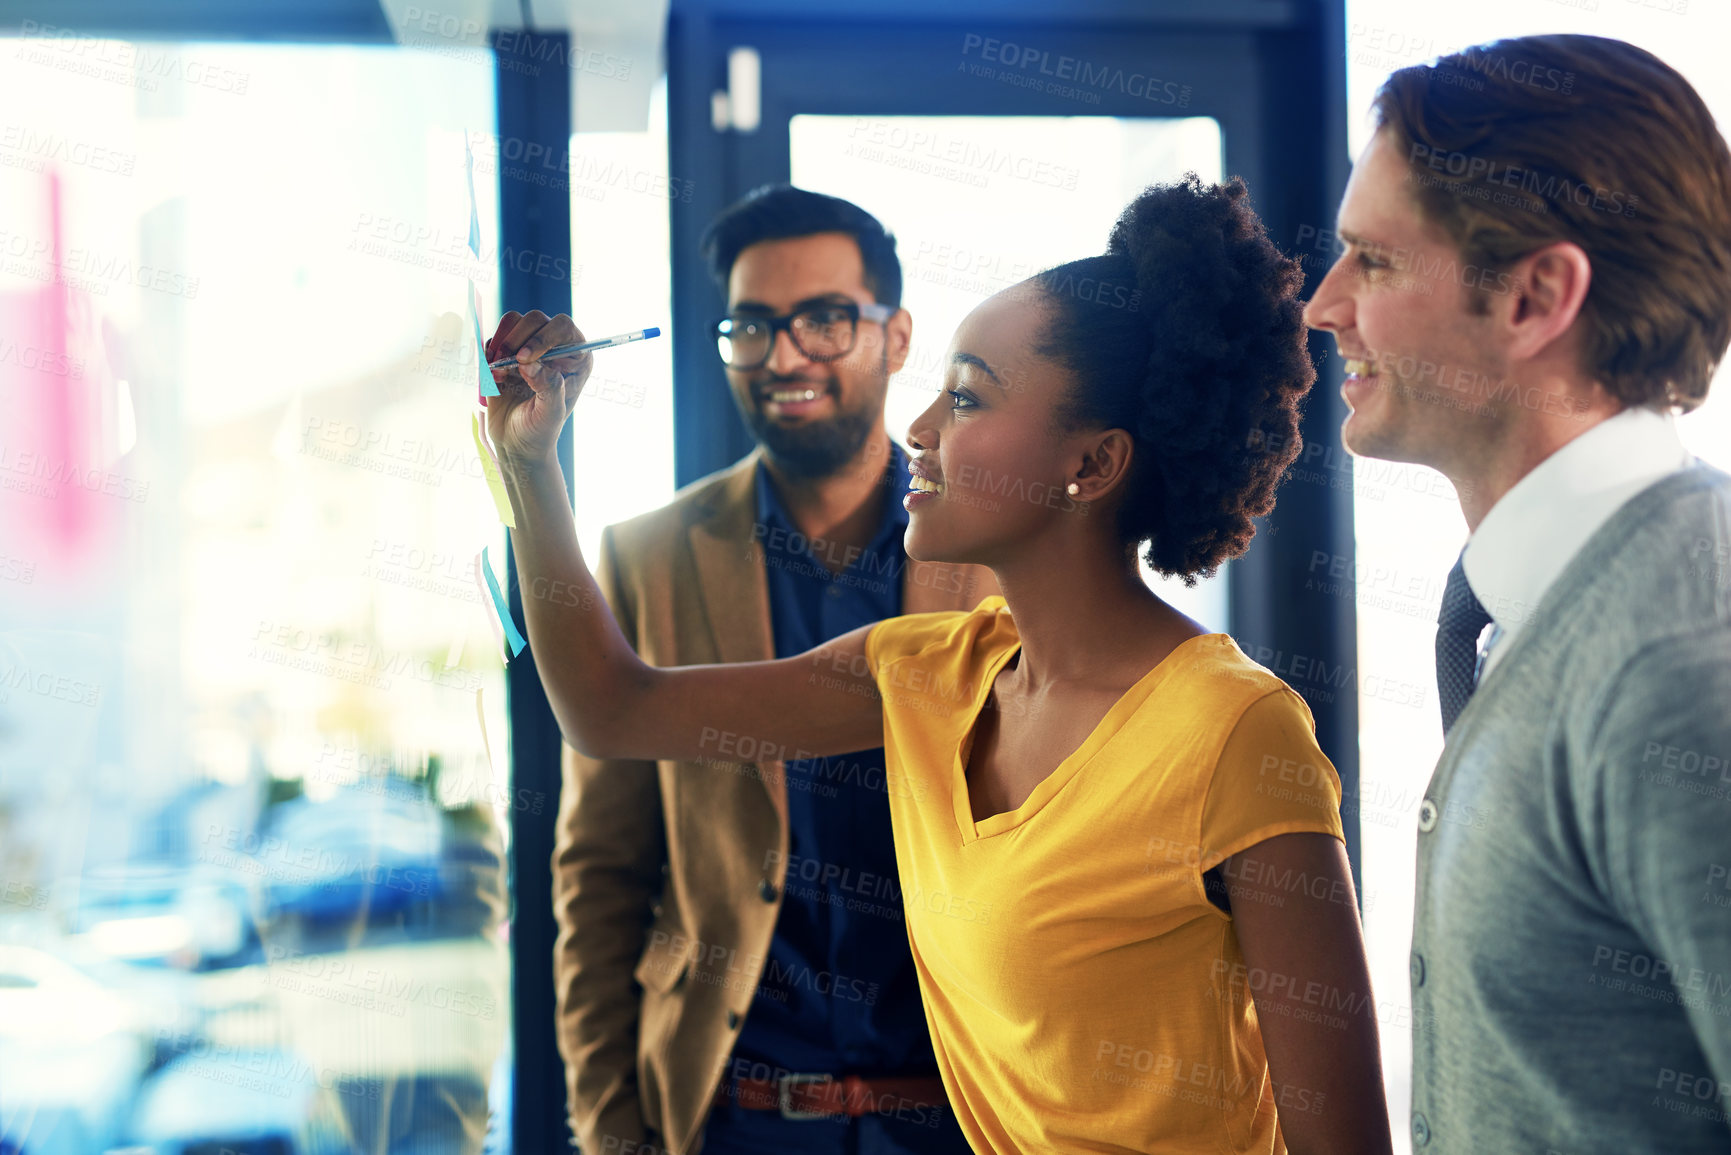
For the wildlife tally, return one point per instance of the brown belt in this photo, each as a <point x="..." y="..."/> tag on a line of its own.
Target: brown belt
<point x="815" y="1096"/>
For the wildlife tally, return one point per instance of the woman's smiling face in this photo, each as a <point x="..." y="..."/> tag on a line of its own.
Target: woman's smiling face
<point x="990" y="439"/>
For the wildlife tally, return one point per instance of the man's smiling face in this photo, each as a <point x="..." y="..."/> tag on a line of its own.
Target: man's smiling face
<point x="812" y="416"/>
<point x="1403" y="319"/>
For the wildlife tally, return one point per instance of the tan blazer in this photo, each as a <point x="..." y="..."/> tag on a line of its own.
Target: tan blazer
<point x="655" y="862"/>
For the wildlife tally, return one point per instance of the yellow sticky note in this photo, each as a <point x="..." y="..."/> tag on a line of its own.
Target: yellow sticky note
<point x="490" y="468"/>
<point x="481" y="716"/>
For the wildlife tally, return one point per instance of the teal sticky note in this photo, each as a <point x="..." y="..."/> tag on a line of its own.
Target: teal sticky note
<point x="492" y="619"/>
<point x="517" y="641"/>
<point x="474" y="217"/>
<point x="488" y="388"/>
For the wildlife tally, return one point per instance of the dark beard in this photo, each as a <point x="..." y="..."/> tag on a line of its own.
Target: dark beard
<point x="814" y="449"/>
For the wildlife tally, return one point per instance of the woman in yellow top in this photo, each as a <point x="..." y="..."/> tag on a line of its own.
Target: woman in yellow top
<point x="1120" y="847"/>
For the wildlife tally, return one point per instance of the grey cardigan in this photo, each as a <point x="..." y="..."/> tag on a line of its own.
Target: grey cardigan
<point x="1571" y="966"/>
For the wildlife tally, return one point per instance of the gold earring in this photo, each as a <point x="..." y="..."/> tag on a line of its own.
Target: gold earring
<point x="1074" y="489"/>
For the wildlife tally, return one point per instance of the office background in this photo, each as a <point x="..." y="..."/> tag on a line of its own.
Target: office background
<point x="275" y="813"/>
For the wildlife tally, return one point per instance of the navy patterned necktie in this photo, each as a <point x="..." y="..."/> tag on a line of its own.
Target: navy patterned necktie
<point x="1459" y="624"/>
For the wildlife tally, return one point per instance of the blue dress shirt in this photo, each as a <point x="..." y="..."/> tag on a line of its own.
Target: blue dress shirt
<point x="838" y="992"/>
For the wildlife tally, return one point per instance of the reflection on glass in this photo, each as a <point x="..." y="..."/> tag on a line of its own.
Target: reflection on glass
<point x="252" y="834"/>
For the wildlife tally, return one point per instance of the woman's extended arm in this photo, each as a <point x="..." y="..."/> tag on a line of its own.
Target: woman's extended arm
<point x="1297" y="921"/>
<point x="608" y="702"/>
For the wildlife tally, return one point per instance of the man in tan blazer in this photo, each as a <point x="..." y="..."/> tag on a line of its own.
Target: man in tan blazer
<point x="732" y="963"/>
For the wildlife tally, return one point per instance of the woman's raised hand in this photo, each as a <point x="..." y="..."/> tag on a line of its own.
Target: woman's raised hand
<point x="608" y="702"/>
<point x="535" y="396"/>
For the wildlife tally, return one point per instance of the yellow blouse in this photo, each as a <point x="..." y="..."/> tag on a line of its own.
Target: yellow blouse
<point x="1082" y="992"/>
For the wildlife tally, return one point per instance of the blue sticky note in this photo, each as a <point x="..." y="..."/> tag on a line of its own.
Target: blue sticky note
<point x="474" y="218"/>
<point x="517" y="642"/>
<point x="488" y="388"/>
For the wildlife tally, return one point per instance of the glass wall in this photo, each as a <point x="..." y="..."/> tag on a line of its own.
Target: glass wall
<point x="622" y="433"/>
<point x="253" y="768"/>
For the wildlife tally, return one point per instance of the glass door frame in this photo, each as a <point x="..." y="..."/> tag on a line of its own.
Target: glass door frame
<point x="1271" y="72"/>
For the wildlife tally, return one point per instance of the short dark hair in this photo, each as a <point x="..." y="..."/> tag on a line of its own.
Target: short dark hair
<point x="774" y="212"/>
<point x="1189" y="334"/>
<point x="1607" y="147"/>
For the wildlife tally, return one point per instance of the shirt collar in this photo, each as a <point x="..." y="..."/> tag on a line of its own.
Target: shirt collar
<point x="1532" y="533"/>
<point x="770" y="510"/>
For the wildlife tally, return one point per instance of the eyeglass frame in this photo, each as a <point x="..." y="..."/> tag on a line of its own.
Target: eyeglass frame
<point x="873" y="311"/>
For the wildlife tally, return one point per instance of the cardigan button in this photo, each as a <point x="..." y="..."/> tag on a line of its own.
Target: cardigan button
<point x="732" y="1020"/>
<point x="766" y="890"/>
<point x="1426" y="816"/>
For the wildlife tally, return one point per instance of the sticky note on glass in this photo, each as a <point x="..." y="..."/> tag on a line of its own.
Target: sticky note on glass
<point x="517" y="642"/>
<point x="474" y="217"/>
<point x="493" y="618"/>
<point x="490" y="470"/>
<point x="486" y="746"/>
<point x="488" y="388"/>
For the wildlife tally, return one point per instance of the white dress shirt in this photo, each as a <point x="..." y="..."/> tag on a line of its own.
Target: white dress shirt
<point x="1529" y="536"/>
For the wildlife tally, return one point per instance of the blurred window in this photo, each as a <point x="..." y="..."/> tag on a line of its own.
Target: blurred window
<point x="253" y="744"/>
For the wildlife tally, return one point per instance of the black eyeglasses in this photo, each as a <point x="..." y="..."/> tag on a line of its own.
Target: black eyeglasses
<point x="823" y="332"/>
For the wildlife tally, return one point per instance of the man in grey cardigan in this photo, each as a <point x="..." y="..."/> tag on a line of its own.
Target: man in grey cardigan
<point x="1536" y="273"/>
